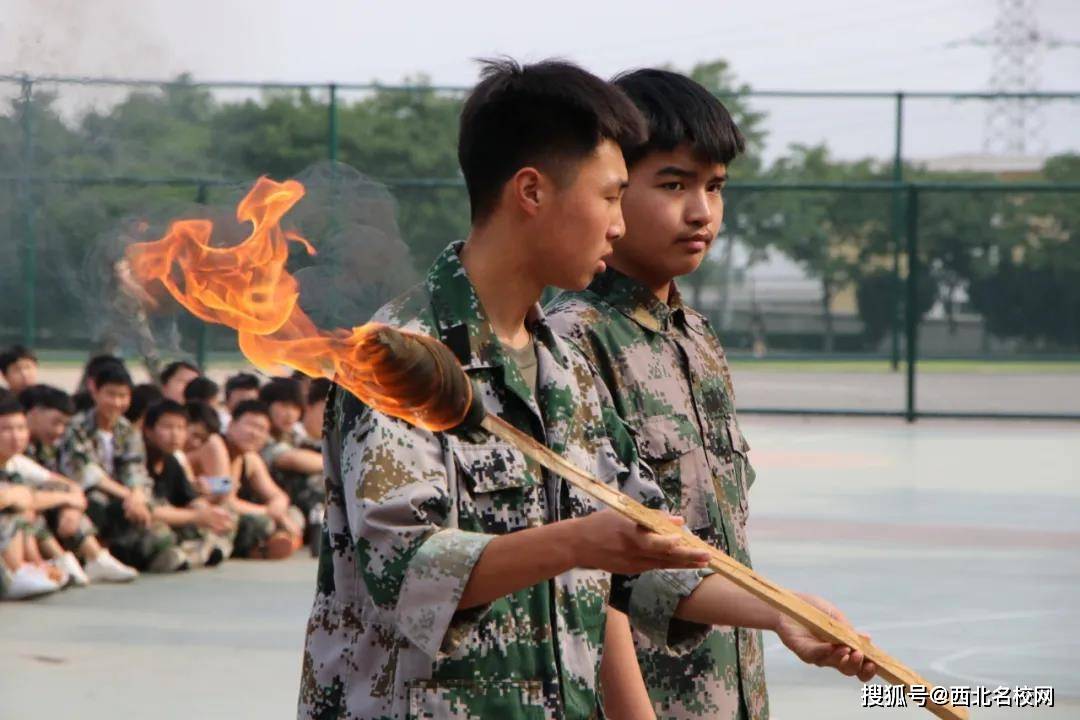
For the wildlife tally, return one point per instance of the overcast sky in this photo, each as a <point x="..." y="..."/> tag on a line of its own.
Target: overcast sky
<point x="773" y="44"/>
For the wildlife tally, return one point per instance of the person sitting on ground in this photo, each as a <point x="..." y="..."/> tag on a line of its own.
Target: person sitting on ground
<point x="56" y="514"/>
<point x="48" y="412"/>
<point x="19" y="578"/>
<point x="175" y="377"/>
<point x="206" y="530"/>
<point x="214" y="478"/>
<point x="103" y="453"/>
<point x="239" y="387"/>
<point x="143" y="396"/>
<point x="82" y="397"/>
<point x="296" y="468"/>
<point x="19" y="367"/>
<point x="203" y="389"/>
<point x="256" y="493"/>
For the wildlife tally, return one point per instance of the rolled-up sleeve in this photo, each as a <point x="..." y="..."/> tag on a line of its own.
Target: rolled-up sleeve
<point x="414" y="562"/>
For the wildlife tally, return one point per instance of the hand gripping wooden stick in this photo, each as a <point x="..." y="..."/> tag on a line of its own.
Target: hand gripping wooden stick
<point x="447" y="402"/>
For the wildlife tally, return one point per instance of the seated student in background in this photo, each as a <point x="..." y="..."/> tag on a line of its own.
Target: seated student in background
<point x="143" y="396"/>
<point x="82" y="397"/>
<point x="204" y="447"/>
<point x="19" y="577"/>
<point x="205" y="530"/>
<point x="103" y="453"/>
<point x="48" y="412"/>
<point x="19" y="367"/>
<point x="240" y="387"/>
<point x="203" y="389"/>
<point x="294" y="465"/>
<point x="175" y="377"/>
<point x="256" y="494"/>
<point x="314" y="412"/>
<point x="56" y="514"/>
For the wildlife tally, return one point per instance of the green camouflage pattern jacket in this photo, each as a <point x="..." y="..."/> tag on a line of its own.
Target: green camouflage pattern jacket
<point x="668" y="376"/>
<point x="408" y="513"/>
<point x="80" y="454"/>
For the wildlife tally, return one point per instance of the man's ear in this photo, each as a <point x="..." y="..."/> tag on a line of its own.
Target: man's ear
<point x="528" y="190"/>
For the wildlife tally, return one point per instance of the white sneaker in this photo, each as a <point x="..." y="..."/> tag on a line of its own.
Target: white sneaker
<point x="70" y="564"/>
<point x="106" y="568"/>
<point x="29" y="581"/>
<point x="65" y="576"/>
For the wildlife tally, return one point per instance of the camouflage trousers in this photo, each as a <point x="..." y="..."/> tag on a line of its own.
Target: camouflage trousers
<point x="129" y="543"/>
<point x="252" y="532"/>
<point x="50" y="522"/>
<point x="11" y="523"/>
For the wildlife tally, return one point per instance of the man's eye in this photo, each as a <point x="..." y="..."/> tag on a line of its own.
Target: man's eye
<point x="716" y="188"/>
<point x="674" y="186"/>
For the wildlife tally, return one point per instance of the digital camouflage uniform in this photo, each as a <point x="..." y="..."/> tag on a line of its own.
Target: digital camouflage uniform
<point x="80" y="460"/>
<point x="409" y="513"/>
<point x="670" y="381"/>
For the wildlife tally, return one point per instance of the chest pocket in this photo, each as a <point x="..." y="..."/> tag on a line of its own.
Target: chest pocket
<point x="494" y="490"/>
<point x="681" y="470"/>
<point x="744" y="472"/>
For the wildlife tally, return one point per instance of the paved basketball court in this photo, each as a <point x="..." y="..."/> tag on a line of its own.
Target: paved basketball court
<point x="956" y="544"/>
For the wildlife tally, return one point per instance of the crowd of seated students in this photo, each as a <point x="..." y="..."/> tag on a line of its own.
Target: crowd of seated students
<point x="119" y="479"/>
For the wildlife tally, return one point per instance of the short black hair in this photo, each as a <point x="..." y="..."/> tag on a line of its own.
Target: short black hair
<point x="282" y="390"/>
<point x="14" y="354"/>
<point x="173" y="367"/>
<point x="542" y="115"/>
<point x="162" y="408"/>
<point x="200" y="389"/>
<point x="318" y="390"/>
<point x="83" y="400"/>
<point x="111" y="374"/>
<point x="679" y="110"/>
<point x="9" y="405"/>
<point x="143" y="396"/>
<point x="251" y="406"/>
<point x="200" y="412"/>
<point x="241" y="381"/>
<point x="47" y="396"/>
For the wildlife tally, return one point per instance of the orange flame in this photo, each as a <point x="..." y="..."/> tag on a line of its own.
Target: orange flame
<point x="248" y="288"/>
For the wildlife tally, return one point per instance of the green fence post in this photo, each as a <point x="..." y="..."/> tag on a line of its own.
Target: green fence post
<point x="911" y="314"/>
<point x="201" y="338"/>
<point x="26" y="198"/>
<point x="331" y="127"/>
<point x="897" y="230"/>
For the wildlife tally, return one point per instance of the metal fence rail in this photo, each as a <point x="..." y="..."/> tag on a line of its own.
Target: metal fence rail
<point x="900" y="224"/>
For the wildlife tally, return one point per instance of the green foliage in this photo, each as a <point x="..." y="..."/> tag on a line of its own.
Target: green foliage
<point x="1012" y="258"/>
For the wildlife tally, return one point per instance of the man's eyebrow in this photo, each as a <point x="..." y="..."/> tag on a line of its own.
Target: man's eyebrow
<point x="676" y="171"/>
<point x="722" y="177"/>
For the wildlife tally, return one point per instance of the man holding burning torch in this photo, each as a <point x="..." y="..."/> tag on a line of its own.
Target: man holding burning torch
<point x="457" y="578"/>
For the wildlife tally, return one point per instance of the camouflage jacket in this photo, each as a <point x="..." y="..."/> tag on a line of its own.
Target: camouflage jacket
<point x="47" y="456"/>
<point x="408" y="513"/>
<point x="670" y="381"/>
<point x="81" y="455"/>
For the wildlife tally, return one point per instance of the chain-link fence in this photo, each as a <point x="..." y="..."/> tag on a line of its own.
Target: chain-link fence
<point x="873" y="260"/>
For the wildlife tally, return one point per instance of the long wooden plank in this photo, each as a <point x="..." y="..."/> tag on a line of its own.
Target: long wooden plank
<point x="783" y="600"/>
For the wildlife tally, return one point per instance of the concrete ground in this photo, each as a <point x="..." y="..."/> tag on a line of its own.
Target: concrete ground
<point x="955" y="544"/>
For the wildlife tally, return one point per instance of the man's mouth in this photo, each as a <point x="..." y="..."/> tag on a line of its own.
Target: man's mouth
<point x="697" y="242"/>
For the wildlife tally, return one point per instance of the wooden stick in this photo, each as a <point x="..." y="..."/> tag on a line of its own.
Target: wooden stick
<point x="783" y="600"/>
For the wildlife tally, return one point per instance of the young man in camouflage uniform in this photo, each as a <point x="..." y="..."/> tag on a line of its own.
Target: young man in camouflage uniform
<point x="458" y="579"/>
<point x="669" y="379"/>
<point x="103" y="453"/>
